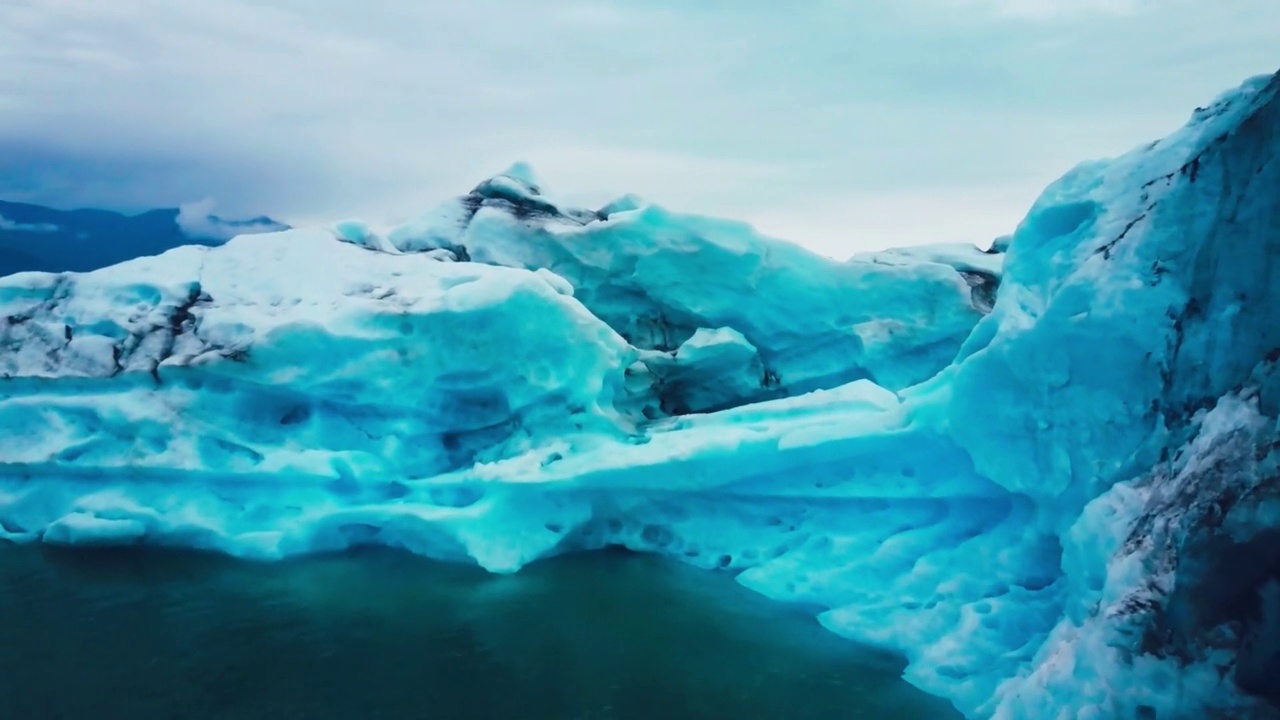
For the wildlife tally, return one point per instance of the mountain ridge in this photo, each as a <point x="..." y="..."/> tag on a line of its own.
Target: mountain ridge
<point x="45" y="239"/>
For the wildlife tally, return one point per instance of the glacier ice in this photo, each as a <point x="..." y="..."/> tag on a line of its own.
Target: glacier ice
<point x="1048" y="474"/>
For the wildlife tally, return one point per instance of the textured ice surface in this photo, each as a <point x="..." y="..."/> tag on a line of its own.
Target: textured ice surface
<point x="656" y="277"/>
<point x="1049" y="480"/>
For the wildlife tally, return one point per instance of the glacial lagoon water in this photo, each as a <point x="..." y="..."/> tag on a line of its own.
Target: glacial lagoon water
<point x="154" y="635"/>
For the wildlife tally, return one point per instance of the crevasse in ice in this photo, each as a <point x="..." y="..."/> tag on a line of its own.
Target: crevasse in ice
<point x="1047" y="476"/>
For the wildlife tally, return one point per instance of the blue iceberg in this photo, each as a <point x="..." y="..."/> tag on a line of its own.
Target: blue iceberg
<point x="1048" y="474"/>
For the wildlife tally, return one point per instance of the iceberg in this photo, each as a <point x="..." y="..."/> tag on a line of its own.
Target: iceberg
<point x="1047" y="474"/>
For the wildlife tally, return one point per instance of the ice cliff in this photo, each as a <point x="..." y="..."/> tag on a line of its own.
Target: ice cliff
<point x="1048" y="477"/>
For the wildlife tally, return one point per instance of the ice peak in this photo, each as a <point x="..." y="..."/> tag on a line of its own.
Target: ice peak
<point x="625" y="203"/>
<point x="517" y="181"/>
<point x="522" y="171"/>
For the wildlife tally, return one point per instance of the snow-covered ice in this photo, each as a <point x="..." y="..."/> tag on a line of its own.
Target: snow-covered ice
<point x="1047" y="476"/>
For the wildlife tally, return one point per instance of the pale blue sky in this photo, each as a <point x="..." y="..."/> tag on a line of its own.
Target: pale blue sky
<point x="844" y="125"/>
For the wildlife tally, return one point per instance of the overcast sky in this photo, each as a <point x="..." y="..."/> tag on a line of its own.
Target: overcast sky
<point x="843" y="125"/>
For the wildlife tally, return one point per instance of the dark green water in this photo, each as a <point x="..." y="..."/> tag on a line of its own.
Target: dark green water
<point x="176" y="636"/>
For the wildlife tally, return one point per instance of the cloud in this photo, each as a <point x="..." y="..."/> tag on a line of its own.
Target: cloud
<point x="1057" y="9"/>
<point x="317" y="111"/>
<point x="12" y="226"/>
<point x="197" y="221"/>
<point x="592" y="176"/>
<point x="831" y="224"/>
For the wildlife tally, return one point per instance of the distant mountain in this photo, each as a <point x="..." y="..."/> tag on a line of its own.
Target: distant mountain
<point x="33" y="237"/>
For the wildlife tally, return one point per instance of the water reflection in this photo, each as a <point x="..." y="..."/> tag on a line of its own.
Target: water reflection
<point x="151" y="635"/>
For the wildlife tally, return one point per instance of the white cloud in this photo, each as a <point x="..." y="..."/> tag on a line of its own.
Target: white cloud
<point x="592" y="176"/>
<point x="197" y="221"/>
<point x="299" y="109"/>
<point x="7" y="224"/>
<point x="839" y="225"/>
<point x="1056" y="9"/>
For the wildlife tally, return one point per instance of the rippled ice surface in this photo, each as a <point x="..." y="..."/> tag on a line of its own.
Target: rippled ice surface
<point x="157" y="635"/>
